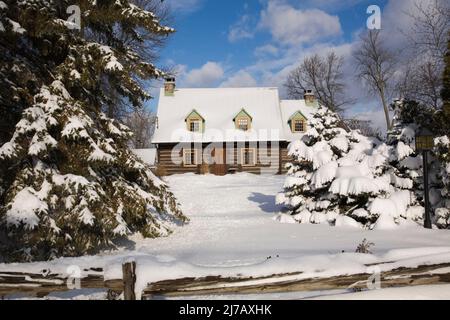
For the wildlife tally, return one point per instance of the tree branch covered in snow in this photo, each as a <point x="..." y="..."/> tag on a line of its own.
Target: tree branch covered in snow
<point x="69" y="184"/>
<point x="347" y="179"/>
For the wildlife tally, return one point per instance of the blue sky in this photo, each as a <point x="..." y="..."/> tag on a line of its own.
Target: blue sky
<point x="236" y="43"/>
<point x="203" y="35"/>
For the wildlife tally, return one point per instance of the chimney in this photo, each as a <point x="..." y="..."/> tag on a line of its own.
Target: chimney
<point x="309" y="97"/>
<point x="169" y="86"/>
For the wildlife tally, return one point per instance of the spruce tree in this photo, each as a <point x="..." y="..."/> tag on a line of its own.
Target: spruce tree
<point x="68" y="182"/>
<point x="442" y="146"/>
<point x="305" y="193"/>
<point x="316" y="189"/>
<point x="344" y="178"/>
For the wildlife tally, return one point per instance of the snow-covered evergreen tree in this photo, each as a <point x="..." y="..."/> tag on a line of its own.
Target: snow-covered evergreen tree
<point x="68" y="182"/>
<point x="404" y="164"/>
<point x="442" y="147"/>
<point x="317" y="187"/>
<point x="442" y="210"/>
<point x="344" y="178"/>
<point x="313" y="168"/>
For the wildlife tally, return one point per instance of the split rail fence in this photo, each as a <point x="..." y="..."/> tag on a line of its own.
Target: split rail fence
<point x="45" y="283"/>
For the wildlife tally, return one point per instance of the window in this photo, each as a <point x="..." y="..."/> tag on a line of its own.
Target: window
<point x="299" y="126"/>
<point x="243" y="124"/>
<point x="248" y="157"/>
<point x="194" y="126"/>
<point x="190" y="157"/>
<point x="243" y="121"/>
<point x="194" y="122"/>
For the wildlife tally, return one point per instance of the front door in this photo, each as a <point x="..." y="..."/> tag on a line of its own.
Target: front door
<point x="220" y="167"/>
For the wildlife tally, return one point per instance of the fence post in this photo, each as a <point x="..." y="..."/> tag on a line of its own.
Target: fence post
<point x="129" y="280"/>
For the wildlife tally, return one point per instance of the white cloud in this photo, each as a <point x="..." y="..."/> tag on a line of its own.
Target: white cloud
<point x="291" y="26"/>
<point x="206" y="76"/>
<point x="273" y="71"/>
<point x="240" y="79"/>
<point x="242" y="29"/>
<point x="299" y="33"/>
<point x="266" y="50"/>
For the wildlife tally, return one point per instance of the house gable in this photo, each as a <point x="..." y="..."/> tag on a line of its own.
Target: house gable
<point x="297" y="119"/>
<point x="241" y="118"/>
<point x="195" y="117"/>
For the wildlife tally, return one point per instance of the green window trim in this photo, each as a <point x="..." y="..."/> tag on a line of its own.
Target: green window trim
<point x="192" y="119"/>
<point x="300" y="120"/>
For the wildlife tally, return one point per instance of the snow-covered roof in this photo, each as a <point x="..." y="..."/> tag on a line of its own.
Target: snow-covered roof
<point x="218" y="107"/>
<point x="288" y="109"/>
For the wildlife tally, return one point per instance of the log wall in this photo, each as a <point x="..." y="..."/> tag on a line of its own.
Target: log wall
<point x="269" y="160"/>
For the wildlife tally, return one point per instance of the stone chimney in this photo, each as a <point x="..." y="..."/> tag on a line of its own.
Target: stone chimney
<point x="309" y="97"/>
<point x="169" y="86"/>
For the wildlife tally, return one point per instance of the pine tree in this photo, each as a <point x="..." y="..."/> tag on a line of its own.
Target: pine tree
<point x="69" y="184"/>
<point x="305" y="193"/>
<point x="314" y="190"/>
<point x="345" y="178"/>
<point x="405" y="165"/>
<point x="442" y="146"/>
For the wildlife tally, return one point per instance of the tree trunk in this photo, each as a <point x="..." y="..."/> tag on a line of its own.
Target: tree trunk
<point x="386" y="109"/>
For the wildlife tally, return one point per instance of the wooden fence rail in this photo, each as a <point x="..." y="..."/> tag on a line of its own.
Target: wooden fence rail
<point x="41" y="285"/>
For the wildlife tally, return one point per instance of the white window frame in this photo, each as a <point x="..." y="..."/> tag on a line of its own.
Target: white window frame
<point x="254" y="162"/>
<point x="189" y="152"/>
<point x="195" y="122"/>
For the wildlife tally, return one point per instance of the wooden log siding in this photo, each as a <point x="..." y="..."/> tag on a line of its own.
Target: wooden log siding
<point x="265" y="158"/>
<point x="284" y="157"/>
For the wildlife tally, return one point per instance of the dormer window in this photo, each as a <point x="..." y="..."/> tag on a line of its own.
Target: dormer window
<point x="297" y="122"/>
<point x="243" y="121"/>
<point x="195" y="122"/>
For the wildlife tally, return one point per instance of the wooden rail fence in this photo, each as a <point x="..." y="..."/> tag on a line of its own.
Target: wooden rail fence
<point x="41" y="285"/>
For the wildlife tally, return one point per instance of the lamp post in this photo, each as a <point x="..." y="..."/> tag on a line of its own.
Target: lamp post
<point x="424" y="144"/>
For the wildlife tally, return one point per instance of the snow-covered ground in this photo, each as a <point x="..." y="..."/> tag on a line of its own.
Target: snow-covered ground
<point x="232" y="224"/>
<point x="427" y="292"/>
<point x="232" y="231"/>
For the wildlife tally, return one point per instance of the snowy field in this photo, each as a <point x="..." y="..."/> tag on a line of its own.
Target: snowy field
<point x="232" y="231"/>
<point x="232" y="224"/>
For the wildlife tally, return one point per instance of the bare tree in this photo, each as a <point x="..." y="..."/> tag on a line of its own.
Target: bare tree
<point x="431" y="24"/>
<point x="421" y="78"/>
<point x="323" y="75"/>
<point x="422" y="82"/>
<point x="143" y="124"/>
<point x="375" y="65"/>
<point x="366" y="127"/>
